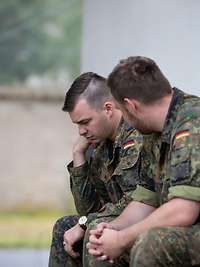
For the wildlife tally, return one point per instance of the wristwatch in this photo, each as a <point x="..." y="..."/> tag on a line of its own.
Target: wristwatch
<point x="82" y="222"/>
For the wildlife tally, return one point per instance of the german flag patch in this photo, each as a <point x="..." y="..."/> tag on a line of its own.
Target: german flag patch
<point x="128" y="144"/>
<point x="182" y="135"/>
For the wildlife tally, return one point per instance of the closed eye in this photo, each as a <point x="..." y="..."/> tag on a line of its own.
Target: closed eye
<point x="84" y="122"/>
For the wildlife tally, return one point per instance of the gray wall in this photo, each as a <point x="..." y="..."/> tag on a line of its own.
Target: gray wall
<point x="36" y="145"/>
<point x="167" y="31"/>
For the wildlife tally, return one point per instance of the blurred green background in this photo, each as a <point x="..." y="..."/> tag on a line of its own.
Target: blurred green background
<point x="39" y="37"/>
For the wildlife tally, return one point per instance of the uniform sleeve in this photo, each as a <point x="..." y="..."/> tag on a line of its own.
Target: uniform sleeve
<point x="185" y="161"/>
<point x="125" y="175"/>
<point x="83" y="190"/>
<point x="145" y="191"/>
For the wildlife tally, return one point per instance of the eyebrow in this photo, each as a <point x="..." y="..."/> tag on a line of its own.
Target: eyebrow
<point x="82" y="121"/>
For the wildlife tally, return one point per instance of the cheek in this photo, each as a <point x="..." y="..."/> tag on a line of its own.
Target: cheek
<point x="101" y="127"/>
<point x="94" y="126"/>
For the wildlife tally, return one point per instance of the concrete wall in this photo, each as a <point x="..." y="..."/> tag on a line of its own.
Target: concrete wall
<point x="167" y="31"/>
<point x="36" y="141"/>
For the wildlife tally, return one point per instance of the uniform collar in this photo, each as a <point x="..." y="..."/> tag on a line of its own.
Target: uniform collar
<point x="122" y="130"/>
<point x="114" y="147"/>
<point x="177" y="99"/>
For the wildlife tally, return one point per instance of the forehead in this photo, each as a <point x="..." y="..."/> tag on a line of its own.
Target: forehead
<point x="82" y="111"/>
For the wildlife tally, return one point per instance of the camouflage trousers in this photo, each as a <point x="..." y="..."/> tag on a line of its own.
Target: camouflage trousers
<point x="167" y="247"/>
<point x="58" y="256"/>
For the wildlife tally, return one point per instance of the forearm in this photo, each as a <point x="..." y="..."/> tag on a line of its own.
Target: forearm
<point x="176" y="212"/>
<point x="132" y="214"/>
<point x="82" y="184"/>
<point x="78" y="159"/>
<point x="85" y="197"/>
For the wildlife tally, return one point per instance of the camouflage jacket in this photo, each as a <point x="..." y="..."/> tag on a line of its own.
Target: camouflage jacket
<point x="104" y="183"/>
<point x="170" y="165"/>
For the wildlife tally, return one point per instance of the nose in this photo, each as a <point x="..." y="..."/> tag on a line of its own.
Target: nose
<point x="82" y="130"/>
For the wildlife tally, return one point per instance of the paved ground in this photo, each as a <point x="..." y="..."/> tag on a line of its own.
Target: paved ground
<point x="23" y="258"/>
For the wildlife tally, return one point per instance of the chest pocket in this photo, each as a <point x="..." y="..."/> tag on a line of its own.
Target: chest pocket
<point x="180" y="164"/>
<point x="126" y="173"/>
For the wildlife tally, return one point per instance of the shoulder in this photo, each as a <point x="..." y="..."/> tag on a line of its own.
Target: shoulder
<point x="130" y="136"/>
<point x="131" y="146"/>
<point x="189" y="110"/>
<point x="187" y="123"/>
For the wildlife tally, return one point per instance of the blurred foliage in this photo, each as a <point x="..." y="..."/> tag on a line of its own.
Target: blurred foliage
<point x="39" y="37"/>
<point x="30" y="229"/>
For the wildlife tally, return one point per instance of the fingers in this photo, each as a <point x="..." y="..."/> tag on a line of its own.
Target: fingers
<point x="69" y="249"/>
<point x="94" y="240"/>
<point x="98" y="254"/>
<point x="102" y="258"/>
<point x="90" y="246"/>
<point x="105" y="258"/>
<point x="96" y="233"/>
<point x="99" y="229"/>
<point x="93" y="250"/>
<point x="102" y="226"/>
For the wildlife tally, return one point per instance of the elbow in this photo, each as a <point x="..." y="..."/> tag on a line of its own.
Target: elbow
<point x="187" y="212"/>
<point x="187" y="220"/>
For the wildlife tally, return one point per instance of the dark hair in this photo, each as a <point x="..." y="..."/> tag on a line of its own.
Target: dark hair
<point x="89" y="86"/>
<point x="138" y="78"/>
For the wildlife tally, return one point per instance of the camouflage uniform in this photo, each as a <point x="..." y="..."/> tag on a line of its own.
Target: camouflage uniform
<point x="101" y="188"/>
<point x="171" y="168"/>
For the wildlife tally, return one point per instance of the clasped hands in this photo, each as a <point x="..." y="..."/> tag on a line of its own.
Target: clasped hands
<point x="105" y="242"/>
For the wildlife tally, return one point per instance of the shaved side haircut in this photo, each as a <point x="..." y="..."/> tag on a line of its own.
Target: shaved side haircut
<point x="89" y="86"/>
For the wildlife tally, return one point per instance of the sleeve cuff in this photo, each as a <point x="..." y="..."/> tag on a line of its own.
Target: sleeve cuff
<point x="78" y="173"/>
<point x="145" y="196"/>
<point x="184" y="191"/>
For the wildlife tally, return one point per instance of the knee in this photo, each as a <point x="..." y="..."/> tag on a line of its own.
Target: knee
<point x="160" y="246"/>
<point x="159" y="237"/>
<point x="149" y="242"/>
<point x="62" y="224"/>
<point x="152" y="235"/>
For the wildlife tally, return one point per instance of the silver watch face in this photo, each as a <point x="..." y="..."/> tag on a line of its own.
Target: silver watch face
<point x="82" y="220"/>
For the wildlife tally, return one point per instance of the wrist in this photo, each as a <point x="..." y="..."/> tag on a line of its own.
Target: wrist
<point x="124" y="240"/>
<point x="78" y="152"/>
<point x="78" y="159"/>
<point x="113" y="227"/>
<point x="82" y="223"/>
<point x="81" y="231"/>
<point x="127" y="237"/>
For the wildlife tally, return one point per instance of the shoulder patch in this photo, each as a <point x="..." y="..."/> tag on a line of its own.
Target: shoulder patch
<point x="129" y="144"/>
<point x="182" y="134"/>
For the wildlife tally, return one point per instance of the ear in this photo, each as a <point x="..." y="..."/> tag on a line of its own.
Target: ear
<point x="108" y="108"/>
<point x="131" y="105"/>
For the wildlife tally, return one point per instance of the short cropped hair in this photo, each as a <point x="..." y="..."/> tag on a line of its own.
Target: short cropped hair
<point x="90" y="86"/>
<point x="138" y="78"/>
